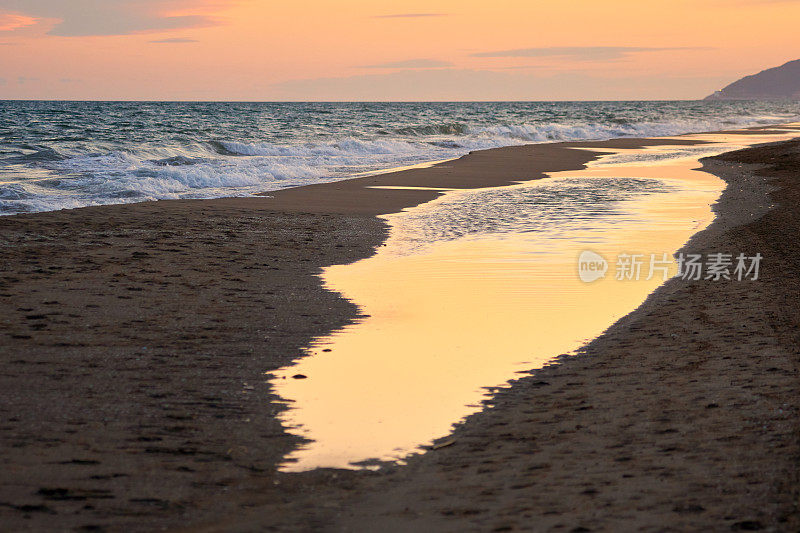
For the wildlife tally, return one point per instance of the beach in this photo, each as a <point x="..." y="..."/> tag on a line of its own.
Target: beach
<point x="138" y="336"/>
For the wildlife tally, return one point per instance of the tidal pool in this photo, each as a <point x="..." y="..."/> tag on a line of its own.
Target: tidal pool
<point x="480" y="284"/>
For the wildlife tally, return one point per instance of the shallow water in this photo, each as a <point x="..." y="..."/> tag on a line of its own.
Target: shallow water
<point x="481" y="284"/>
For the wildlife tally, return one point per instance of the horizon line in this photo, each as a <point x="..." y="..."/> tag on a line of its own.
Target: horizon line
<point x="222" y="101"/>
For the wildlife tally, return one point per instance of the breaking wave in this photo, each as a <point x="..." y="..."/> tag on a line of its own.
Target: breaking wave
<point x="141" y="152"/>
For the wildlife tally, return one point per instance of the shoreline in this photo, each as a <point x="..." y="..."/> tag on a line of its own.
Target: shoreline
<point x="408" y="173"/>
<point x="79" y="451"/>
<point x="677" y="417"/>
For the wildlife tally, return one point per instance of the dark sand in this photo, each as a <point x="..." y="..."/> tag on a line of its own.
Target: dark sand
<point x="134" y="340"/>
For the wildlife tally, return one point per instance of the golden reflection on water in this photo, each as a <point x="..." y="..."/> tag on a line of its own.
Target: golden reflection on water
<point x="448" y="322"/>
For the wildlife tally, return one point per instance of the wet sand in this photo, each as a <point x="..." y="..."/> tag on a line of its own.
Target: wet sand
<point x="682" y="417"/>
<point x="475" y="286"/>
<point x="136" y="338"/>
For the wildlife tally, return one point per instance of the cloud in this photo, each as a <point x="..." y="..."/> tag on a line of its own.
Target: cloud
<point x="412" y="63"/>
<point x="410" y="15"/>
<point x="582" y="53"/>
<point x="113" y="17"/>
<point x="175" y="40"/>
<point x="14" y="21"/>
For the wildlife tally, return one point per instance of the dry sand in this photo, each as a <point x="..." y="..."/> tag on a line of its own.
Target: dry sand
<point x="135" y="338"/>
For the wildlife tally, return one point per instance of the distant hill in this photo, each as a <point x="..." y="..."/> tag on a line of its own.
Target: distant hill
<point x="779" y="83"/>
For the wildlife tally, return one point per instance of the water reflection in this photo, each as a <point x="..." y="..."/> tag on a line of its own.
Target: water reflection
<point x="476" y="286"/>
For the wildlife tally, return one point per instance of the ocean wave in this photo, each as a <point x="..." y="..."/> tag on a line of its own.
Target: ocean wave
<point x="537" y="133"/>
<point x="455" y="128"/>
<point x="247" y="153"/>
<point x="39" y="155"/>
<point x="349" y="146"/>
<point x="178" y="160"/>
<point x="475" y="138"/>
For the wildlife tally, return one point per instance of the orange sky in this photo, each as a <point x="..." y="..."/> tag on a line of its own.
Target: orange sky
<point x="374" y="50"/>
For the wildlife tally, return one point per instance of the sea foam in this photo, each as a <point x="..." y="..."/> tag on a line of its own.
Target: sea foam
<point x="171" y="150"/>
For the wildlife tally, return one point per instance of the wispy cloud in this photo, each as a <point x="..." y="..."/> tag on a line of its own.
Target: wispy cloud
<point x="583" y="53"/>
<point x="14" y="21"/>
<point x="409" y="15"/>
<point x="113" y="17"/>
<point x="412" y="64"/>
<point x="175" y="40"/>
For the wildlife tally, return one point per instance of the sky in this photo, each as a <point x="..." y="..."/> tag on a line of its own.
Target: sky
<point x="270" y="50"/>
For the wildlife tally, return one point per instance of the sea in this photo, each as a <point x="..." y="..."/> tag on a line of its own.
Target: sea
<point x="62" y="155"/>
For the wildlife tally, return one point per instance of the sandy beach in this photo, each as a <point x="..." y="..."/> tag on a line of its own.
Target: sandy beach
<point x="136" y="339"/>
